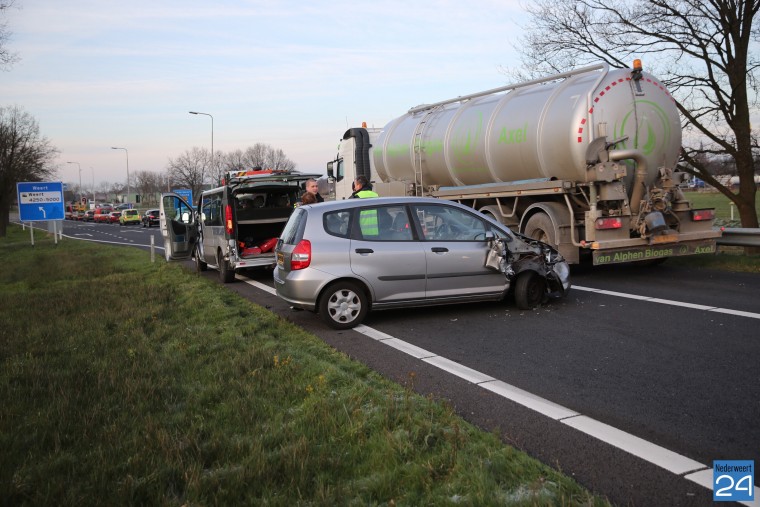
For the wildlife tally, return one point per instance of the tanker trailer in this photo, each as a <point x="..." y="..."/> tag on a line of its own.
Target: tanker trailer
<point x="584" y="160"/>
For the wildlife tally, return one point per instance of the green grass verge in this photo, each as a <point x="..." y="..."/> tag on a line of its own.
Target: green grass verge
<point x="127" y="382"/>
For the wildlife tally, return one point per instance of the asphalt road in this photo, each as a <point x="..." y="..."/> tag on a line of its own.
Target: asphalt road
<point x="660" y="364"/>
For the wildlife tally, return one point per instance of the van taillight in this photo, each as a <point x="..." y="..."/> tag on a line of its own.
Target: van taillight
<point x="301" y="256"/>
<point x="608" y="223"/>
<point x="699" y="215"/>
<point x="228" y="219"/>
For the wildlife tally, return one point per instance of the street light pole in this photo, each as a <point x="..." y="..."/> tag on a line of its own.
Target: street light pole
<point x="127" y="152"/>
<point x="93" y="182"/>
<point x="80" y="176"/>
<point x="212" y="141"/>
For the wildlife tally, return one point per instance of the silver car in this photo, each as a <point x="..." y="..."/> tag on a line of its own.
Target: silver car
<point x="344" y="258"/>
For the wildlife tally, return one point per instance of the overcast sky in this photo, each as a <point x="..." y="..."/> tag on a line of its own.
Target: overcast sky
<point x="294" y="75"/>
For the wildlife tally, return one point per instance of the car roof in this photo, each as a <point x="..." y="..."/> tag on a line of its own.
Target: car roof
<point x="327" y="206"/>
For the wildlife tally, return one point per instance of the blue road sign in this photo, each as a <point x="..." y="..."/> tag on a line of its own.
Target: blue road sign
<point x="40" y="200"/>
<point x="185" y="193"/>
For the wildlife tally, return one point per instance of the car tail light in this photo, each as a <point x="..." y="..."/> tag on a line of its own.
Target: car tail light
<point x="228" y="219"/>
<point x="608" y="223"/>
<point x="699" y="215"/>
<point x="301" y="256"/>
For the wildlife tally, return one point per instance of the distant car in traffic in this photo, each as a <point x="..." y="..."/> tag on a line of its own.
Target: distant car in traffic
<point x="113" y="217"/>
<point x="150" y="218"/>
<point x="89" y="216"/>
<point x="102" y="214"/>
<point x="129" y="216"/>
<point x="345" y="258"/>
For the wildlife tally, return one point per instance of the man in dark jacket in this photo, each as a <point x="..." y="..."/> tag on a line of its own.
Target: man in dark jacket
<point x="312" y="187"/>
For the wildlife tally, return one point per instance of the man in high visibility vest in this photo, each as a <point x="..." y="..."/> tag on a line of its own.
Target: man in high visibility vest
<point x="362" y="188"/>
<point x="367" y="218"/>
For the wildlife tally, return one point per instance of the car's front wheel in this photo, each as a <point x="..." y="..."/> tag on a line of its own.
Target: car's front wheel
<point x="343" y="305"/>
<point x="530" y="290"/>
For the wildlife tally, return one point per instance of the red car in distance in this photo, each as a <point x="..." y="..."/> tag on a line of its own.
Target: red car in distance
<point x="113" y="217"/>
<point x="102" y="215"/>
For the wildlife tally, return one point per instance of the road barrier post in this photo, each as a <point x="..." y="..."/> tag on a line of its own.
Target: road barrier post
<point x="152" y="249"/>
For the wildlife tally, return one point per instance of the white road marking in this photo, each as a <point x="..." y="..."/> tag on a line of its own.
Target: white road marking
<point x="258" y="285"/>
<point x="707" y="308"/>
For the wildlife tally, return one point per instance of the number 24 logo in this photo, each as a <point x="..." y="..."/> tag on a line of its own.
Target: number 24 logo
<point x="736" y="487"/>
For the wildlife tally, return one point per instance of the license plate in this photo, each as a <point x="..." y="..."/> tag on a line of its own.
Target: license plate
<point x="280" y="259"/>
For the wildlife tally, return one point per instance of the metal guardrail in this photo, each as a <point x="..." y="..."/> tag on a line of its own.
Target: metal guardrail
<point x="740" y="236"/>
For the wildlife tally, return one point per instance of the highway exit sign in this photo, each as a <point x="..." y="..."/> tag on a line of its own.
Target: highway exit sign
<point x="40" y="200"/>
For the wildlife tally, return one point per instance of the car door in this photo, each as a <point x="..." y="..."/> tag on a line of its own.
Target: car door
<point x="455" y="246"/>
<point x="389" y="259"/>
<point x="178" y="227"/>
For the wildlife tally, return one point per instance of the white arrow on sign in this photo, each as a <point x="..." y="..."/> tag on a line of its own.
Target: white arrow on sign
<point x="43" y="212"/>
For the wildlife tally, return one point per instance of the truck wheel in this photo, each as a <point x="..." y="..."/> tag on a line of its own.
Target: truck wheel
<point x="226" y="275"/>
<point x="343" y="305"/>
<point x="540" y="227"/>
<point x="529" y="290"/>
<point x="199" y="264"/>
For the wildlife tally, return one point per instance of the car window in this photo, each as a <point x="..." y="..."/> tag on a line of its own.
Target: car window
<point x="211" y="209"/>
<point x="289" y="235"/>
<point x="383" y="223"/>
<point x="176" y="210"/>
<point x="447" y="223"/>
<point x="336" y="223"/>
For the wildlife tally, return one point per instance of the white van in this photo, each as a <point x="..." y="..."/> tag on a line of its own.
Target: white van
<point x="234" y="226"/>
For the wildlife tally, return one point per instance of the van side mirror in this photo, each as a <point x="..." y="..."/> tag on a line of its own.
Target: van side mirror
<point x="330" y="170"/>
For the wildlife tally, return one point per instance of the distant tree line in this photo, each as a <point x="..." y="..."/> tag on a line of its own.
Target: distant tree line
<point x="195" y="169"/>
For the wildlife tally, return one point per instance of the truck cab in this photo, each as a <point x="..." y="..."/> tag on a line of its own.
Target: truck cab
<point x="234" y="226"/>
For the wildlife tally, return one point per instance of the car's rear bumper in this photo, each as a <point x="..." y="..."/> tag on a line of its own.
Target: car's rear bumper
<point x="299" y="288"/>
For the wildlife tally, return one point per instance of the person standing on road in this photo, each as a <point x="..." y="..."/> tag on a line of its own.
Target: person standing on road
<point x="362" y="188"/>
<point x="312" y="187"/>
<point x="308" y="198"/>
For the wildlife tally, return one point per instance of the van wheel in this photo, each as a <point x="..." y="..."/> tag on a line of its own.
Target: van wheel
<point x="530" y="290"/>
<point x="343" y="305"/>
<point x="199" y="264"/>
<point x="226" y="275"/>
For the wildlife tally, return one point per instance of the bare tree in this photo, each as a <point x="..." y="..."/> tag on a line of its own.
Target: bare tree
<point x="187" y="170"/>
<point x="24" y="156"/>
<point x="7" y="58"/>
<point x="149" y="184"/>
<point x="702" y="50"/>
<point x="259" y="155"/>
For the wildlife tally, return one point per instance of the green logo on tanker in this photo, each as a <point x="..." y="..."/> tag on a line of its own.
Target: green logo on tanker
<point x="645" y="137"/>
<point x="514" y="136"/>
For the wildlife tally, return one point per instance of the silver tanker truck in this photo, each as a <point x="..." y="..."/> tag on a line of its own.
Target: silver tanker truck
<point x="583" y="160"/>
